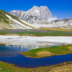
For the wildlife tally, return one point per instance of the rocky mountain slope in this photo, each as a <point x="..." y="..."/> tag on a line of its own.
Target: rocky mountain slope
<point x="42" y="17"/>
<point x="8" y="21"/>
<point x="34" y="15"/>
<point x="62" y="23"/>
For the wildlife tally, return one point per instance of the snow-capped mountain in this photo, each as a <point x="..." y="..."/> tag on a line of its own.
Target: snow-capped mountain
<point x="37" y="17"/>
<point x="63" y="23"/>
<point x="41" y="12"/>
<point x="42" y="17"/>
<point x="34" y="15"/>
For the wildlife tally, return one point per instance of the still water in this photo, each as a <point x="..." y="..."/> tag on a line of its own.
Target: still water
<point x="10" y="55"/>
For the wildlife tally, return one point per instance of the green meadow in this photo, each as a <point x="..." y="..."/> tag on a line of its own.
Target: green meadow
<point x="51" y="51"/>
<point x="36" y="32"/>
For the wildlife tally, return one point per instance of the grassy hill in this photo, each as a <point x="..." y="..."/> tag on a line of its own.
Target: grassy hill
<point x="4" y="18"/>
<point x="5" y="21"/>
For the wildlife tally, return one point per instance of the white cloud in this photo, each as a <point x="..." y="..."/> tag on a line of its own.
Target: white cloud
<point x="51" y="19"/>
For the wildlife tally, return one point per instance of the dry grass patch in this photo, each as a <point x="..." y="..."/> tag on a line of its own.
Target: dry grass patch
<point x="56" y="29"/>
<point x="44" y="54"/>
<point x="70" y="48"/>
<point x="12" y="35"/>
<point x="64" y="68"/>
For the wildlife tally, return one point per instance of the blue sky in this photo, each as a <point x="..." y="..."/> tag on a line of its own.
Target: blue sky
<point x="59" y="8"/>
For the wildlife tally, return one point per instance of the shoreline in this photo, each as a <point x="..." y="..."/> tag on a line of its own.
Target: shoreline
<point x="42" y="57"/>
<point x="48" y="51"/>
<point x="67" y="65"/>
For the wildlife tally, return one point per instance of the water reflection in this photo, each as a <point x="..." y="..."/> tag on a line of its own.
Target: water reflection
<point x="11" y="50"/>
<point x="22" y="46"/>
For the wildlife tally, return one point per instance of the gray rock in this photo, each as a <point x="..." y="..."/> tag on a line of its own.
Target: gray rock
<point x="35" y="14"/>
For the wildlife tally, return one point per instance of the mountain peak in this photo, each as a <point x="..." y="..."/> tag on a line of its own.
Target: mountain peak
<point x="44" y="7"/>
<point x="35" y="7"/>
<point x="35" y="13"/>
<point x="39" y="7"/>
<point x="42" y="12"/>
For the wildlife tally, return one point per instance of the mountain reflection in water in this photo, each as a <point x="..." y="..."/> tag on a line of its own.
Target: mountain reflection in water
<point x="11" y="50"/>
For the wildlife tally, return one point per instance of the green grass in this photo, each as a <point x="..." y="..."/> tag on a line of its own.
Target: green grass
<point x="3" y="32"/>
<point x="4" y="18"/>
<point x="5" y="21"/>
<point x="37" y="33"/>
<point x="45" y="33"/>
<point x="56" y="50"/>
<point x="5" y="67"/>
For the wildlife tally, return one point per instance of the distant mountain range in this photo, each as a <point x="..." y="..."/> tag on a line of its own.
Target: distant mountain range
<point x="36" y="17"/>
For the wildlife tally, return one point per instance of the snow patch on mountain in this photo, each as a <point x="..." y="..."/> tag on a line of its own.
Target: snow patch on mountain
<point x="37" y="11"/>
<point x="29" y="24"/>
<point x="52" y="19"/>
<point x="18" y="24"/>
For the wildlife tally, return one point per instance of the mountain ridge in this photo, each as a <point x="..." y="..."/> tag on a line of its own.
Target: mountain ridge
<point x="34" y="15"/>
<point x="8" y="21"/>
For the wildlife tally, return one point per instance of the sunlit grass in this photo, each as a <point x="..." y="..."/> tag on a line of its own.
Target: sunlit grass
<point x="56" y="50"/>
<point x="37" y="32"/>
<point x="6" y="67"/>
<point x="55" y="29"/>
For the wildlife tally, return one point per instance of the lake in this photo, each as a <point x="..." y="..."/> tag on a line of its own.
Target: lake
<point x="10" y="55"/>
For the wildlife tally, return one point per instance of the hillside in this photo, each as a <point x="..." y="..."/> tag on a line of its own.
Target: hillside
<point x="8" y="21"/>
<point x="14" y="21"/>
